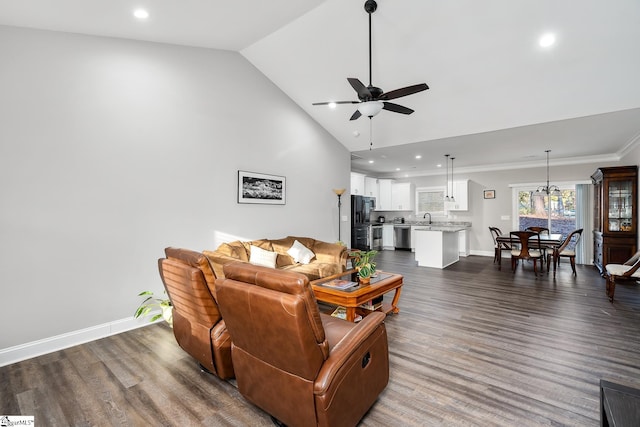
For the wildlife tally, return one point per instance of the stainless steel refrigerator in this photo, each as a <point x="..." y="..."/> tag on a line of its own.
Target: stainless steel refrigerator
<point x="361" y="209"/>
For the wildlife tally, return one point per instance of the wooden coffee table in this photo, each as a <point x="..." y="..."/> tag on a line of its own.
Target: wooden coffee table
<point x="355" y="296"/>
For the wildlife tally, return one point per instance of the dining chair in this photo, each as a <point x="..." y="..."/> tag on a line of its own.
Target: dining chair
<point x="566" y="250"/>
<point x="541" y="230"/>
<point x="627" y="271"/>
<point x="528" y="250"/>
<point x="498" y="247"/>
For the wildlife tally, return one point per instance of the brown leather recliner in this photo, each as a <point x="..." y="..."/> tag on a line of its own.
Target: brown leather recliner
<point x="302" y="367"/>
<point x="197" y="324"/>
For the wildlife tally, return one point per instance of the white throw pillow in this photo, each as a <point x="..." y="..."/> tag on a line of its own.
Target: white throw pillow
<point x="262" y="257"/>
<point x="300" y="253"/>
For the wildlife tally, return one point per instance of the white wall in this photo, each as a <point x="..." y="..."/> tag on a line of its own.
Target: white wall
<point x="111" y="150"/>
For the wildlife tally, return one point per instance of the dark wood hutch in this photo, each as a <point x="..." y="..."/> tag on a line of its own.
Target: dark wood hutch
<point x="615" y="215"/>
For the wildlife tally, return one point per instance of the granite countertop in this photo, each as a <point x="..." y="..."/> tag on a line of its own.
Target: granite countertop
<point x="457" y="224"/>
<point x="445" y="228"/>
<point x="448" y="226"/>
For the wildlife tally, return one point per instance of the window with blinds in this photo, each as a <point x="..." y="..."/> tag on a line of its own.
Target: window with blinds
<point x="430" y="199"/>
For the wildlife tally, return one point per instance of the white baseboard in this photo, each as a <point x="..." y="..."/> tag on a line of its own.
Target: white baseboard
<point x="28" y="350"/>
<point x="481" y="253"/>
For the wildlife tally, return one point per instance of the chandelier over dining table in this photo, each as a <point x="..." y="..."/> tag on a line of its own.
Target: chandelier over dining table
<point x="548" y="189"/>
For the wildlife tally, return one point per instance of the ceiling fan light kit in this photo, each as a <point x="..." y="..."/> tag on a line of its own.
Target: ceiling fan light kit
<point x="370" y="108"/>
<point x="372" y="99"/>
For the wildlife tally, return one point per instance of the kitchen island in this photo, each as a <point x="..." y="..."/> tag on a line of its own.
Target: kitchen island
<point x="437" y="246"/>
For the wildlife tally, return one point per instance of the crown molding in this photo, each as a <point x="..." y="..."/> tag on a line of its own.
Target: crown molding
<point x="607" y="158"/>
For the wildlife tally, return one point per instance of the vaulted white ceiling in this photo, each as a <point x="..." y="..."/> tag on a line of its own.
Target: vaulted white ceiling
<point x="496" y="97"/>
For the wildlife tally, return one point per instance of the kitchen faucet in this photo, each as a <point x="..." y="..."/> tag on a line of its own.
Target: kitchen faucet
<point x="425" y="215"/>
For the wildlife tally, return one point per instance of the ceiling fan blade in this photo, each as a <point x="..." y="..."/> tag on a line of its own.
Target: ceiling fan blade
<point x="409" y="90"/>
<point x="356" y="115"/>
<point x="336" y="102"/>
<point x="363" y="91"/>
<point x="390" y="106"/>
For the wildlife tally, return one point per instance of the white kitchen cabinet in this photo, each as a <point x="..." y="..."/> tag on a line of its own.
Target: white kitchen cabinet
<point x="371" y="187"/>
<point x="384" y="195"/>
<point x="461" y="195"/>
<point x="387" y="236"/>
<point x="413" y="237"/>
<point x="357" y="184"/>
<point x="401" y="196"/>
<point x="463" y="243"/>
<point x="436" y="249"/>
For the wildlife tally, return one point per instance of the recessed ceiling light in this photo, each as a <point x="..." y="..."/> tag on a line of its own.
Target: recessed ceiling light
<point x="332" y="105"/>
<point x="439" y="165"/>
<point x="547" y="40"/>
<point x="397" y="169"/>
<point x="418" y="156"/>
<point x="370" y="161"/>
<point x="141" y="13"/>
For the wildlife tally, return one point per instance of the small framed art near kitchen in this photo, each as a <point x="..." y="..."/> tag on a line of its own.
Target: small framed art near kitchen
<point x="261" y="188"/>
<point x="489" y="194"/>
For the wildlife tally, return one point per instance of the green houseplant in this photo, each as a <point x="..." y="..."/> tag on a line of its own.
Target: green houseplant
<point x="152" y="303"/>
<point x="364" y="265"/>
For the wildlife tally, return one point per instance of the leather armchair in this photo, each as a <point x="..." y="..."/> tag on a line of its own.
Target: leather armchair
<point x="197" y="324"/>
<point x="302" y="367"/>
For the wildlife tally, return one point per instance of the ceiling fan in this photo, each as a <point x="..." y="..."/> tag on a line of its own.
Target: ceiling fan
<point x="372" y="99"/>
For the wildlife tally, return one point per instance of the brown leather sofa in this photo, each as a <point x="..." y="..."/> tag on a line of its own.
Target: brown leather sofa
<point x="329" y="258"/>
<point x="197" y="324"/>
<point x="302" y="367"/>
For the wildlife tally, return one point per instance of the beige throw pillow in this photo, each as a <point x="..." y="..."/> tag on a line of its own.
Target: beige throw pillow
<point x="300" y="253"/>
<point x="262" y="257"/>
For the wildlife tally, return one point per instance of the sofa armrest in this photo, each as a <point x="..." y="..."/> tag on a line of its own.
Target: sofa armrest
<point x="330" y="253"/>
<point x="349" y="344"/>
<point x="218" y="261"/>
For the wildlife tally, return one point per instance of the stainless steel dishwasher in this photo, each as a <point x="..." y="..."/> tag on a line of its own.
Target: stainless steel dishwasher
<point x="402" y="236"/>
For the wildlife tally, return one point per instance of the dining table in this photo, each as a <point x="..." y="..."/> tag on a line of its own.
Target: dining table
<point x="549" y="241"/>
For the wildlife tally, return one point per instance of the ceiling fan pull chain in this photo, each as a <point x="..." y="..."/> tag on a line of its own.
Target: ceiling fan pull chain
<point x="370" y="133"/>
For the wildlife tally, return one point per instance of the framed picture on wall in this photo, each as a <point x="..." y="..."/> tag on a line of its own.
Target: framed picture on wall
<point x="261" y="188"/>
<point x="489" y="194"/>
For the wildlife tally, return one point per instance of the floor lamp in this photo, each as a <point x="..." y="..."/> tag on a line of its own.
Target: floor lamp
<point x="339" y="192"/>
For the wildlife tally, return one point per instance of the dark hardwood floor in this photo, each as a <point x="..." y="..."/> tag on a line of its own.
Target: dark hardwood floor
<point x="471" y="346"/>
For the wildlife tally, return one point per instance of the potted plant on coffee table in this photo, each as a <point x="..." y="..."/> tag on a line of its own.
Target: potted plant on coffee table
<point x="364" y="265"/>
